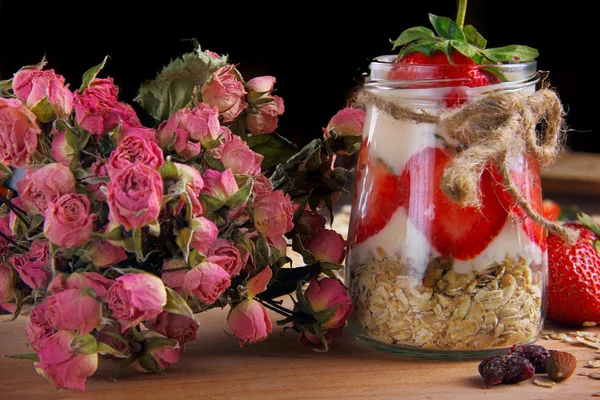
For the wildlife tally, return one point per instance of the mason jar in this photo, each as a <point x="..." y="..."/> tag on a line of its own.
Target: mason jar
<point x="430" y="276"/>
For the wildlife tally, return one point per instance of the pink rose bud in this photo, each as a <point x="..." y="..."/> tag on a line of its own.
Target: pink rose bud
<point x="135" y="196"/>
<point x="191" y="179"/>
<point x="329" y="293"/>
<point x="347" y="122"/>
<point x="61" y="151"/>
<point x="261" y="84"/>
<point x="178" y="327"/>
<point x="98" y="190"/>
<point x="249" y="321"/>
<point x="18" y="133"/>
<point x="104" y="254"/>
<point x="225" y="136"/>
<point x="267" y="118"/>
<point x="207" y="281"/>
<point x="226" y="93"/>
<point x="157" y="357"/>
<point x="173" y="273"/>
<point x="74" y="310"/>
<point x="261" y="187"/>
<point x="34" y="266"/>
<point x="43" y="186"/>
<point x="224" y="253"/>
<point x="238" y="157"/>
<point x="129" y="130"/>
<point x="315" y="221"/>
<point x="7" y="284"/>
<point x="211" y="54"/>
<point x="98" y="111"/>
<point x="136" y="297"/>
<point x="220" y="185"/>
<point x="205" y="234"/>
<point x="81" y="280"/>
<point x="44" y="92"/>
<point x="279" y="243"/>
<point x="329" y="334"/>
<point x="66" y="368"/>
<point x="273" y="214"/>
<point x="328" y="246"/>
<point x="37" y="326"/>
<point x="68" y="221"/>
<point x="133" y="150"/>
<point x="191" y="128"/>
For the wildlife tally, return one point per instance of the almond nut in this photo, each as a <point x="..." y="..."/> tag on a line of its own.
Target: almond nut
<point x="560" y="365"/>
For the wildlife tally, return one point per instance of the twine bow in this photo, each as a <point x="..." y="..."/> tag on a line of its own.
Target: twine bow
<point x="490" y="129"/>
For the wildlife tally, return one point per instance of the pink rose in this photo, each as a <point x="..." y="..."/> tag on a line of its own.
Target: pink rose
<point x="45" y="185"/>
<point x="206" y="281"/>
<point x="205" y="234"/>
<point x="34" y="266"/>
<point x="61" y="151"/>
<point x="347" y="122"/>
<point x="273" y="214"/>
<point x="129" y="130"/>
<point x="38" y="328"/>
<point x="191" y="128"/>
<point x="279" y="243"/>
<point x="220" y="185"/>
<point x="238" y="157"/>
<point x="261" y="84"/>
<point x="18" y="133"/>
<point x="211" y="54"/>
<point x="68" y="221"/>
<point x="178" y="327"/>
<point x="267" y="117"/>
<point x="97" y="170"/>
<point x="81" y="280"/>
<point x="136" y="297"/>
<point x="315" y="221"/>
<point x="225" y="136"/>
<point x="329" y="293"/>
<point x="191" y="179"/>
<point x="226" y="93"/>
<point x="133" y="150"/>
<point x="98" y="111"/>
<point x="224" y="253"/>
<point x="328" y="246"/>
<point x="66" y="368"/>
<point x="163" y="355"/>
<point x="74" y="310"/>
<point x="261" y="186"/>
<point x="104" y="254"/>
<point x="7" y="284"/>
<point x="173" y="273"/>
<point x="135" y="196"/>
<point x="44" y="92"/>
<point x="249" y="321"/>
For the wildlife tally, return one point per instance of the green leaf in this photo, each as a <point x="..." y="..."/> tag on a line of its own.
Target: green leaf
<point x="72" y="138"/>
<point x="286" y="280"/>
<point x="597" y="245"/>
<point x="177" y="305"/>
<point x="587" y="221"/>
<point x="105" y="349"/>
<point x="464" y="48"/>
<point x="6" y="84"/>
<point x="210" y="203"/>
<point x="85" y="344"/>
<point x="331" y="266"/>
<point x="426" y="47"/>
<point x="168" y="170"/>
<point x="307" y="256"/>
<point x="5" y="170"/>
<point x="172" y="88"/>
<point x="265" y="254"/>
<point x="26" y="356"/>
<point x="412" y="34"/>
<point x="303" y="304"/>
<point x="137" y="244"/>
<point x="115" y="234"/>
<point x="241" y="196"/>
<point x="510" y="53"/>
<point x="274" y="148"/>
<point x="90" y="74"/>
<point x="158" y="342"/>
<point x="214" y="163"/>
<point x="325" y="315"/>
<point x="284" y="171"/>
<point x="60" y="125"/>
<point x="474" y="37"/>
<point x="447" y="28"/>
<point x="183" y="240"/>
<point x="351" y="144"/>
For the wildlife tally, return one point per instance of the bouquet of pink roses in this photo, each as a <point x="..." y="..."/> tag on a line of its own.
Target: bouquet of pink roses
<point x="121" y="232"/>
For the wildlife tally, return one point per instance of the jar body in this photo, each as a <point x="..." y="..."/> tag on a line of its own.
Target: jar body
<point x="428" y="275"/>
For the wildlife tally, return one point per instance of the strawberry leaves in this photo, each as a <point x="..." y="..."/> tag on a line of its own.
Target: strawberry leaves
<point x="467" y="41"/>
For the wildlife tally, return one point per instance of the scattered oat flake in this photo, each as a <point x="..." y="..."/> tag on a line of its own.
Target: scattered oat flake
<point x="593" y="364"/>
<point x="589" y="323"/>
<point x="547" y="332"/>
<point x="558" y="336"/>
<point x="544" y="382"/>
<point x="597" y="394"/>
<point x="569" y="339"/>
<point x="594" y="375"/>
<point x="589" y="343"/>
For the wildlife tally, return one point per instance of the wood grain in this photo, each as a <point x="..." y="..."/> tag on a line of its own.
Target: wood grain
<point x="573" y="174"/>
<point x="216" y="368"/>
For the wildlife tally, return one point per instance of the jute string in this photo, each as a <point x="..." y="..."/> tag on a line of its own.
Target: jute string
<point x="490" y="129"/>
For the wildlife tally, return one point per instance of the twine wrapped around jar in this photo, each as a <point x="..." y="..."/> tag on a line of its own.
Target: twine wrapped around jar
<point x="489" y="129"/>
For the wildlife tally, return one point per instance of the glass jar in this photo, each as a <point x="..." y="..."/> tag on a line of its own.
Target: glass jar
<point x="429" y="276"/>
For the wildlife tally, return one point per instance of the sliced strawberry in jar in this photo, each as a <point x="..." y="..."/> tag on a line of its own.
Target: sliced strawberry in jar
<point x="454" y="230"/>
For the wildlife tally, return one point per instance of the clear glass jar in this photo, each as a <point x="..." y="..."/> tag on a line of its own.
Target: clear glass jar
<point x="430" y="277"/>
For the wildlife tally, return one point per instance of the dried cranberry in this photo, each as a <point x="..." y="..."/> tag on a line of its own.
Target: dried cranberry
<point x="492" y="370"/>
<point x="505" y="369"/>
<point x="536" y="355"/>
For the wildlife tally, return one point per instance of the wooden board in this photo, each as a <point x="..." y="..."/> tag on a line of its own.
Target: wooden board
<point x="215" y="367"/>
<point x="573" y="174"/>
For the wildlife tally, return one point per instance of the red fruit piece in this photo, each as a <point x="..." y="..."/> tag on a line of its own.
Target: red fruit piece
<point x="574" y="281"/>
<point x="455" y="231"/>
<point x="551" y="210"/>
<point x="381" y="193"/>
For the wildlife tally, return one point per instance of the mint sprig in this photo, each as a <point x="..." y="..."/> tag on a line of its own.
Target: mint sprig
<point x="467" y="41"/>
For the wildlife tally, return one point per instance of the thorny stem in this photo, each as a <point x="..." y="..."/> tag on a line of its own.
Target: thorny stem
<point x="20" y="213"/>
<point x="9" y="240"/>
<point x="461" y="13"/>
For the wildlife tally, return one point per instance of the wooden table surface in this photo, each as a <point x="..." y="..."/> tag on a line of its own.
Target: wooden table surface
<point x="216" y="368"/>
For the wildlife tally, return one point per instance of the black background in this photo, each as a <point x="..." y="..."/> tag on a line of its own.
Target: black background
<point x="317" y="52"/>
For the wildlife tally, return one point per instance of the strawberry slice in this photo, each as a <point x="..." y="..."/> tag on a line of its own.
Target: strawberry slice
<point x="381" y="194"/>
<point x="455" y="231"/>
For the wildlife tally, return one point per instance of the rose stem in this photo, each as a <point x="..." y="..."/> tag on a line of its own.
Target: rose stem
<point x="274" y="307"/>
<point x="18" y="211"/>
<point x="460" y="14"/>
<point x="9" y="240"/>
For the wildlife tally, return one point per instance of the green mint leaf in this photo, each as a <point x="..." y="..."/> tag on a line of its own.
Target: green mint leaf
<point x="447" y="28"/>
<point x="274" y="148"/>
<point x="412" y="34"/>
<point x="90" y="74"/>
<point x="425" y="46"/>
<point x="513" y="52"/>
<point x="464" y="48"/>
<point x="474" y="37"/>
